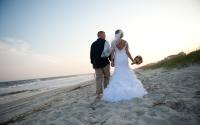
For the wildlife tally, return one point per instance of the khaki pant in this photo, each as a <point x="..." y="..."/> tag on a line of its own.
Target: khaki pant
<point x="102" y="78"/>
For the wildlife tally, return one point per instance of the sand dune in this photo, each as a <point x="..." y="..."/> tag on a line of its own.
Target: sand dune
<point x="173" y="98"/>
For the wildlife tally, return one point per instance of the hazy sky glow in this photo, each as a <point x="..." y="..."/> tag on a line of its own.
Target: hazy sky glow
<point x="42" y="38"/>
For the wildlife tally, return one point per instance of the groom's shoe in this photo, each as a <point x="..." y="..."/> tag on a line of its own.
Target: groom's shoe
<point x="98" y="96"/>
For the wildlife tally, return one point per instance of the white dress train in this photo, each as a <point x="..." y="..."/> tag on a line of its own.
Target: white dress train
<point x="123" y="84"/>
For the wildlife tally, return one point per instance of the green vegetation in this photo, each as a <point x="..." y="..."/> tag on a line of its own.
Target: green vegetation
<point x="176" y="61"/>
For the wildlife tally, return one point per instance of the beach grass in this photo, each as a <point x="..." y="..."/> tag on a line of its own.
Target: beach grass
<point x="176" y="61"/>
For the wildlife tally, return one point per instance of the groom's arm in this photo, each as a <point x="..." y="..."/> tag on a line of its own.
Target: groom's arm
<point x="91" y="55"/>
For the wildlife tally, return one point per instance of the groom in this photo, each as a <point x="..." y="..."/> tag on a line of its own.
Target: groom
<point x="100" y="64"/>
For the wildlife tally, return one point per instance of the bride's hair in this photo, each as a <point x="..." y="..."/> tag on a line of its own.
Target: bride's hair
<point x="119" y="33"/>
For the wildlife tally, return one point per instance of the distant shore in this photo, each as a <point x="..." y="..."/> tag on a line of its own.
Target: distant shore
<point x="179" y="60"/>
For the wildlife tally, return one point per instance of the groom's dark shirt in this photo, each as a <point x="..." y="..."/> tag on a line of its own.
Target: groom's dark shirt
<point x="95" y="54"/>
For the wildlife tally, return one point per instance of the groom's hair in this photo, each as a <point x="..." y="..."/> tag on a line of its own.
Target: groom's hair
<point x="99" y="33"/>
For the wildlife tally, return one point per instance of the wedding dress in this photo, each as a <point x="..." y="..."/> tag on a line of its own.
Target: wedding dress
<point x="123" y="84"/>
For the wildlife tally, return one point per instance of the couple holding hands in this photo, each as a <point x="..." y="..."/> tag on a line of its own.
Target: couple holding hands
<point x="123" y="85"/>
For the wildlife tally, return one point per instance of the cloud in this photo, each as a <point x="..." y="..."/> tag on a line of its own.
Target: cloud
<point x="18" y="47"/>
<point x="21" y="48"/>
<point x="19" y="61"/>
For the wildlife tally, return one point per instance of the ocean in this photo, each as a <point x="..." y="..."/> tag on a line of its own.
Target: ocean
<point x="14" y="90"/>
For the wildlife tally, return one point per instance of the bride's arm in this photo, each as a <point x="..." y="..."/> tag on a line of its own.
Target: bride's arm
<point x="112" y="57"/>
<point x="129" y="54"/>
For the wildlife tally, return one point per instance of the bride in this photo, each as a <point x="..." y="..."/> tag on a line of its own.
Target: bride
<point x="123" y="84"/>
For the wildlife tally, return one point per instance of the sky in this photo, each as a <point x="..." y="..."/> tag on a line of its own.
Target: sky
<point x="45" y="38"/>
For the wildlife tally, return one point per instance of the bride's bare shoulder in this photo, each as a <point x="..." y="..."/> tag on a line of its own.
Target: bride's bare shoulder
<point x="121" y="44"/>
<point x="124" y="42"/>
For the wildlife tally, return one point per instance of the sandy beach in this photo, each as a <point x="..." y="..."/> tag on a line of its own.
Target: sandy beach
<point x="173" y="99"/>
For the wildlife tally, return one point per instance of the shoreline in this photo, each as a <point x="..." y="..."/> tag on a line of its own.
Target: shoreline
<point x="173" y="98"/>
<point x="24" y="103"/>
